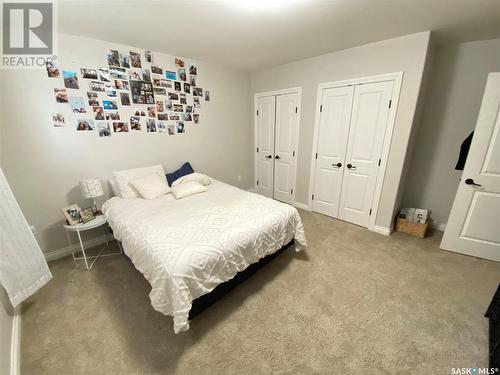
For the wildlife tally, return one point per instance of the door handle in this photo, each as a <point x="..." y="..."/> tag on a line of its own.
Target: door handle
<point x="277" y="157"/>
<point x="338" y="165"/>
<point x="350" y="166"/>
<point x="470" y="181"/>
<point x="269" y="156"/>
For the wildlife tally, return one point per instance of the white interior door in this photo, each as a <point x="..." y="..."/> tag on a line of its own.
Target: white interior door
<point x="473" y="227"/>
<point x="266" y="116"/>
<point x="370" y="112"/>
<point x="284" y="146"/>
<point x="335" y="114"/>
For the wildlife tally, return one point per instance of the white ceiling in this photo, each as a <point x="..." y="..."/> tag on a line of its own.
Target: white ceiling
<point x="252" y="34"/>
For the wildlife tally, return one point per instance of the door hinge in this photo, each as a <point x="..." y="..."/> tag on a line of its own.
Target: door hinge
<point x="293" y="154"/>
<point x="370" y="211"/>
<point x="390" y="102"/>
<point x="257" y="149"/>
<point x="321" y="108"/>
<point x="257" y="112"/>
<point x="379" y="161"/>
<point x="313" y="197"/>
<point x="316" y="155"/>
<point x="291" y="191"/>
<point x="257" y="182"/>
<point x="296" y="109"/>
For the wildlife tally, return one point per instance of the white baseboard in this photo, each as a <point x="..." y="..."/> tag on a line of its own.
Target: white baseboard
<point x="302" y="206"/>
<point x="252" y="190"/>
<point x="65" y="251"/>
<point x="438" y="226"/>
<point x="15" y="346"/>
<point x="382" y="230"/>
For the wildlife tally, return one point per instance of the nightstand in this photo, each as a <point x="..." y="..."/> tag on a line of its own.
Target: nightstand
<point x="99" y="221"/>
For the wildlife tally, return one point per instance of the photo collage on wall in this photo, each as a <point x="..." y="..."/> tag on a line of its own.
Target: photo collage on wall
<point x="132" y="94"/>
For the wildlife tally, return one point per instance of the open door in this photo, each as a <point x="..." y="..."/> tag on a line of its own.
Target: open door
<point x="474" y="224"/>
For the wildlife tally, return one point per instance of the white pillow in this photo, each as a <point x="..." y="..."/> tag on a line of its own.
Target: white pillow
<point x="152" y="186"/>
<point x="123" y="178"/>
<point x="114" y="187"/>
<point x="195" y="176"/>
<point x="187" y="189"/>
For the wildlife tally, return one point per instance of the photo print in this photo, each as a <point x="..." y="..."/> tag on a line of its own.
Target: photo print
<point x="168" y="105"/>
<point x="139" y="112"/>
<point x="173" y="96"/>
<point x="142" y="92"/>
<point x="61" y="95"/>
<point x="120" y="127"/>
<point x="121" y="85"/>
<point x="179" y="62"/>
<point x="52" y="69"/>
<point x="98" y="113"/>
<point x="151" y="111"/>
<point x="196" y="102"/>
<point x="197" y="91"/>
<point x="103" y="129"/>
<point x="113" y="58"/>
<point x="178" y="108"/>
<point x="118" y="73"/>
<point x="156" y="69"/>
<point x="145" y="75"/>
<point x="77" y="104"/>
<point x="134" y="75"/>
<point x="97" y="86"/>
<point x="135" y="123"/>
<point x="180" y="127"/>
<point x="125" y="98"/>
<point x="156" y="82"/>
<point x="182" y="99"/>
<point x="162" y="127"/>
<point x="124" y="60"/>
<point x="207" y="96"/>
<point x="182" y="74"/>
<point x="166" y="83"/>
<point x="162" y="116"/>
<point x="151" y="125"/>
<point x="177" y="86"/>
<point x="172" y="76"/>
<point x="160" y="91"/>
<point x="58" y="120"/>
<point x="111" y="92"/>
<point x="160" y="107"/>
<point x="196" y="118"/>
<point x="171" y="129"/>
<point x="109" y="104"/>
<point x="192" y="70"/>
<point x="174" y="117"/>
<point x="112" y="115"/>
<point x="189" y="109"/>
<point x="85" y="125"/>
<point x="187" y="88"/>
<point x="70" y="79"/>
<point x="135" y="59"/>
<point x="192" y="80"/>
<point x="186" y="117"/>
<point x="88" y="73"/>
<point x="92" y="96"/>
<point x="104" y="75"/>
<point x="148" y="55"/>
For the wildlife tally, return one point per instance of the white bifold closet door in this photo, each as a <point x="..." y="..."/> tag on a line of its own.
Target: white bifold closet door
<point x="277" y="127"/>
<point x="352" y="126"/>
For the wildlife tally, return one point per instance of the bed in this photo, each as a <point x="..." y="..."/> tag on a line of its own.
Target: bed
<point x="187" y="247"/>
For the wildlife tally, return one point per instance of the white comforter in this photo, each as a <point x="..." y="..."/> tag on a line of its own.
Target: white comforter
<point x="186" y="247"/>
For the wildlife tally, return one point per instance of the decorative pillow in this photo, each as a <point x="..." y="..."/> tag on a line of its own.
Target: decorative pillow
<point x="182" y="171"/>
<point x="187" y="189"/>
<point x="199" y="177"/>
<point x="114" y="187"/>
<point x="123" y="177"/>
<point x="152" y="186"/>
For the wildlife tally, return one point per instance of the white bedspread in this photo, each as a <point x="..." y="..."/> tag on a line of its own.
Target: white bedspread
<point x="186" y="247"/>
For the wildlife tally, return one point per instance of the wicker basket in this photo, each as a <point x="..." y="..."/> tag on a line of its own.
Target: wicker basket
<point x="415" y="229"/>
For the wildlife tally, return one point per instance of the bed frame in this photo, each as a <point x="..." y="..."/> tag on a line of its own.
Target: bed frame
<point x="205" y="301"/>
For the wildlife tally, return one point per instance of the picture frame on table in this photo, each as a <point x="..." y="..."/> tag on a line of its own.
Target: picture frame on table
<point x="72" y="214"/>
<point x="87" y="214"/>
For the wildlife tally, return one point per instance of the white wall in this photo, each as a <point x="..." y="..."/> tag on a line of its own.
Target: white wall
<point x="458" y="78"/>
<point x="43" y="164"/>
<point x="406" y="54"/>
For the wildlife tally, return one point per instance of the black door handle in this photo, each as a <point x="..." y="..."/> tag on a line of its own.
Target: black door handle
<point x="350" y="166"/>
<point x="277" y="157"/>
<point x="470" y="181"/>
<point x="269" y="156"/>
<point x="338" y="165"/>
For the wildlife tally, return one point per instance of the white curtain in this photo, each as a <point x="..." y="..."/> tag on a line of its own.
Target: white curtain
<point x="23" y="269"/>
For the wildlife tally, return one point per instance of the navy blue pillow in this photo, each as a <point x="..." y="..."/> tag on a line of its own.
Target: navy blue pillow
<point x="182" y="171"/>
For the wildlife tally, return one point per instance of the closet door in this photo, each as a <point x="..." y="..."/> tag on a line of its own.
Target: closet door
<point x="284" y="146"/>
<point x="364" y="147"/>
<point x="335" y="113"/>
<point x="265" y="136"/>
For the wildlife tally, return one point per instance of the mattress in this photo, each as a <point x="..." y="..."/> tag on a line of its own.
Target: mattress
<point x="186" y="247"/>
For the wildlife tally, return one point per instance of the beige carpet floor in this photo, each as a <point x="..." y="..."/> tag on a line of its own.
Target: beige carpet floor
<point x="355" y="303"/>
